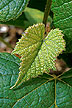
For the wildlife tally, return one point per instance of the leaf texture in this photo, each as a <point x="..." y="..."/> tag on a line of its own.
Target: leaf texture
<point x="38" y="54"/>
<point x="45" y="91"/>
<point x="62" y="10"/>
<point x="11" y="9"/>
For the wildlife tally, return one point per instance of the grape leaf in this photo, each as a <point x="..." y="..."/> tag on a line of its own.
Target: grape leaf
<point x="38" y="54"/>
<point x="62" y="10"/>
<point x="45" y="91"/>
<point x="11" y="9"/>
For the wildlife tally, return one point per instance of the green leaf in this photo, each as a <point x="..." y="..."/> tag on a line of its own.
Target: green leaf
<point x="34" y="16"/>
<point x="62" y="10"/>
<point x="45" y="91"/>
<point x="29" y="17"/>
<point x="11" y="9"/>
<point x="38" y="54"/>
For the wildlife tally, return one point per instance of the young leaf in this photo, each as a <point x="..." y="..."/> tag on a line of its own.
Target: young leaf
<point x="44" y="92"/>
<point x="62" y="10"/>
<point x="38" y="54"/>
<point x="11" y="9"/>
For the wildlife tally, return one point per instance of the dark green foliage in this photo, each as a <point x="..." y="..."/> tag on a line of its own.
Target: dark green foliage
<point x="35" y="87"/>
<point x="45" y="91"/>
<point x="11" y="9"/>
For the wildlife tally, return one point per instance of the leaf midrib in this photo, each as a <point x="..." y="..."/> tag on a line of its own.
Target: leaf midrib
<point x="66" y="77"/>
<point x="64" y="82"/>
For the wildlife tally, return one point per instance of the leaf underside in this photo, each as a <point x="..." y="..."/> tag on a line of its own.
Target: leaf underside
<point x="11" y="9"/>
<point x="44" y="92"/>
<point x="38" y="54"/>
<point x="62" y="10"/>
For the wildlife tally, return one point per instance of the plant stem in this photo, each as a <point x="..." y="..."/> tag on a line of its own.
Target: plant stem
<point x="6" y="43"/>
<point x="47" y="10"/>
